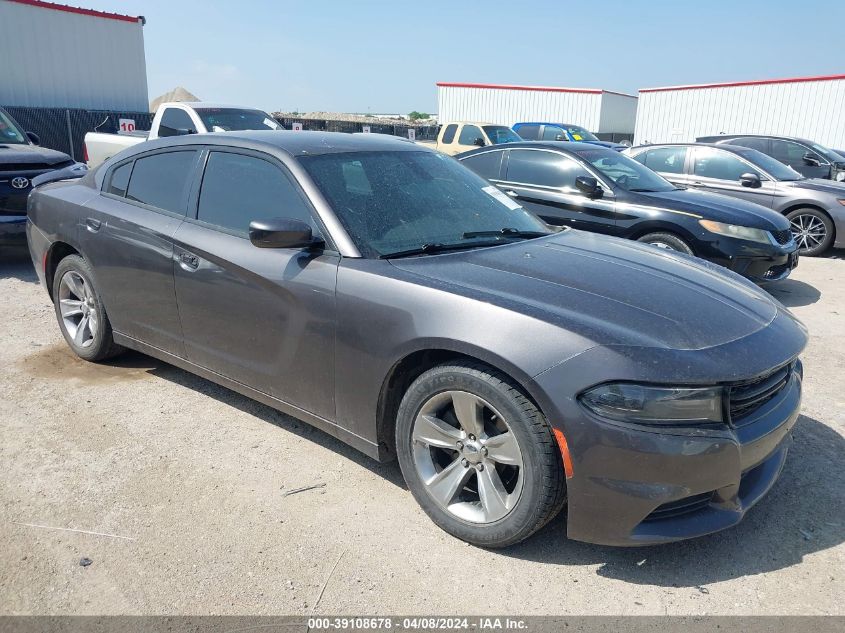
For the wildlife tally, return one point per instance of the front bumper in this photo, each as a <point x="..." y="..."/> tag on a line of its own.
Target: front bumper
<point x="646" y="486"/>
<point x="639" y="485"/>
<point x="12" y="230"/>
<point x="758" y="262"/>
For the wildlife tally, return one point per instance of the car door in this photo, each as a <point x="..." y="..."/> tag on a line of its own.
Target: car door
<point x="128" y="240"/>
<point x="543" y="181"/>
<point x="801" y="158"/>
<point x="261" y="316"/>
<point x="719" y="171"/>
<point x="669" y="162"/>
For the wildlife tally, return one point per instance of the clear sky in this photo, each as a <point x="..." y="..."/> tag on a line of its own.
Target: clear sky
<point x="385" y="57"/>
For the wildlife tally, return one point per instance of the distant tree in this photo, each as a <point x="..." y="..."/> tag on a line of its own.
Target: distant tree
<point x="418" y="116"/>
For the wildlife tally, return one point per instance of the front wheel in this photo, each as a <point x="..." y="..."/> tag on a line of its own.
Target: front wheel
<point x="80" y="312"/>
<point x="667" y="241"/>
<point x="478" y="456"/>
<point x="812" y="230"/>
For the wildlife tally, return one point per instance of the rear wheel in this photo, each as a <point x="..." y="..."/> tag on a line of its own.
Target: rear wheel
<point x="478" y="456"/>
<point x="667" y="241"/>
<point x="80" y="312"/>
<point x="812" y="230"/>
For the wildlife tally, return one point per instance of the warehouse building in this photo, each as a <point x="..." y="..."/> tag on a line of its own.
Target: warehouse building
<point x="609" y="114"/>
<point x="57" y="56"/>
<point x="807" y="107"/>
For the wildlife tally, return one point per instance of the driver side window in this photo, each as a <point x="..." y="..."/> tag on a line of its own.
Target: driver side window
<point x="237" y="189"/>
<point x="553" y="133"/>
<point x="713" y="163"/>
<point x="173" y="120"/>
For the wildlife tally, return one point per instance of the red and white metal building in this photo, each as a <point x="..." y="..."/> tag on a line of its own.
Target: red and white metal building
<point x="599" y="111"/>
<point x="807" y="107"/>
<point x="54" y="55"/>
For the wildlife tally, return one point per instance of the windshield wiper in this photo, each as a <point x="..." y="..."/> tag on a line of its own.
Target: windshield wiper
<point x="430" y="249"/>
<point x="505" y="232"/>
<point x="643" y="190"/>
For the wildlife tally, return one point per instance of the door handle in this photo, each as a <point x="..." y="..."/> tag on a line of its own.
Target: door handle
<point x="93" y="225"/>
<point x="188" y="261"/>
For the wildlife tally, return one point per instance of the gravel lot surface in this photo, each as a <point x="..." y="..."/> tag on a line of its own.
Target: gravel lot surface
<point x="193" y="479"/>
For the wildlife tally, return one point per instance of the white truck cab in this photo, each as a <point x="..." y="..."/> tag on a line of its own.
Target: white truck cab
<point x="176" y="119"/>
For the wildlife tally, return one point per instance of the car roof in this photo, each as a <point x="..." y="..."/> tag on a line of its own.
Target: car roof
<point x="567" y="147"/>
<point x="727" y="146"/>
<point x="775" y="136"/>
<point x="544" y="123"/>
<point x="293" y="143"/>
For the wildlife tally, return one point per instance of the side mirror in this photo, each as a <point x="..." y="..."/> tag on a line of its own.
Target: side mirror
<point x="183" y="131"/>
<point x="479" y="141"/>
<point x="32" y="136"/>
<point x="561" y="137"/>
<point x="751" y="180"/>
<point x="282" y="233"/>
<point x="810" y="159"/>
<point x="589" y="186"/>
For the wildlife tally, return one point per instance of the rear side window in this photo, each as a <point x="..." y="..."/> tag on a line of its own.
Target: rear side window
<point x="161" y="180"/>
<point x="449" y="133"/>
<point x="713" y="163"/>
<point x="485" y="165"/>
<point x="173" y="120"/>
<point x="529" y="132"/>
<point x="546" y="169"/>
<point x="469" y="135"/>
<point x="119" y="179"/>
<point x="669" y="160"/>
<point x="237" y="189"/>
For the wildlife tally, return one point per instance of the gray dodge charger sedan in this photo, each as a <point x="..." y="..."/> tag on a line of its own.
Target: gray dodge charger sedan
<point x="389" y="296"/>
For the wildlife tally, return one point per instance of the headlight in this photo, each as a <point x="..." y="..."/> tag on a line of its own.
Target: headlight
<point x="739" y="232"/>
<point x="646" y="404"/>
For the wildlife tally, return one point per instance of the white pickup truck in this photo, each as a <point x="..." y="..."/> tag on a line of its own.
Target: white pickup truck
<point x="175" y="119"/>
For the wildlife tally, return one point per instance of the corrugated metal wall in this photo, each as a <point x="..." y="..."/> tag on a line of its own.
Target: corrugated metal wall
<point x="508" y="106"/>
<point x="810" y="109"/>
<point x="53" y="58"/>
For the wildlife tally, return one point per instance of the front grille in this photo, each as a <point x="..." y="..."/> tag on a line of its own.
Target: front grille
<point x="748" y="397"/>
<point x="687" y="505"/>
<point x="782" y="237"/>
<point x="34" y="166"/>
<point x="776" y="272"/>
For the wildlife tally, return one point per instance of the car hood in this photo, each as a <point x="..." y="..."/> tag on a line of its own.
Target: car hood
<point x="608" y="290"/>
<point x="713" y="206"/>
<point x="817" y="184"/>
<point x="617" y="146"/>
<point x="13" y="154"/>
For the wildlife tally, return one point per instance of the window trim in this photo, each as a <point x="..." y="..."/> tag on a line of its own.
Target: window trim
<point x="608" y="190"/>
<point x="134" y="159"/>
<point x="196" y="189"/>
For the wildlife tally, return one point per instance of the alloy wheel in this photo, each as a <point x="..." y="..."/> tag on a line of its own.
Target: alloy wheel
<point x="808" y="230"/>
<point x="467" y="456"/>
<point x="78" y="309"/>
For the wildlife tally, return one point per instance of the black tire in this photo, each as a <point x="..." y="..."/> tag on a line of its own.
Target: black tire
<point x="543" y="490"/>
<point x="805" y="220"/>
<point x="669" y="241"/>
<point x="101" y="345"/>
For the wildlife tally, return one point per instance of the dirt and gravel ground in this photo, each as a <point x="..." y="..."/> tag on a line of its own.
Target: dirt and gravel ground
<point x="190" y="481"/>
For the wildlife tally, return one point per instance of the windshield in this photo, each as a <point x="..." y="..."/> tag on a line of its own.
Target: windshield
<point x="390" y="201"/>
<point x="231" y="119"/>
<point x="625" y="172"/>
<point x="501" y="134"/>
<point x="10" y="132"/>
<point x="771" y="166"/>
<point x="580" y="134"/>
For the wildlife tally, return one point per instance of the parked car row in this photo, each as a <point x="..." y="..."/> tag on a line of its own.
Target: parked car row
<point x="385" y="293"/>
<point x="814" y="207"/>
<point x="597" y="189"/>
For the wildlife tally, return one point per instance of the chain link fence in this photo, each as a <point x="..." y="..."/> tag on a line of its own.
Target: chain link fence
<point x="64" y="129"/>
